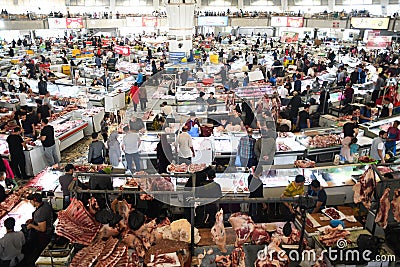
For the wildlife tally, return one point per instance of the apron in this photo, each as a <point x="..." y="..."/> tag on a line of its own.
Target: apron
<point x="316" y="194"/>
<point x="385" y="111"/>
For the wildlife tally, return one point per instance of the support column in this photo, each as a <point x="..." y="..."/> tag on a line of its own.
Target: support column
<point x="240" y="4"/>
<point x="331" y="5"/>
<point x="112" y="8"/>
<point x="384" y="7"/>
<point x="285" y="5"/>
<point x="156" y="4"/>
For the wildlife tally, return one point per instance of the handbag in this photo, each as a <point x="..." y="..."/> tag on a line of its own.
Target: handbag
<point x="98" y="160"/>
<point x="237" y="161"/>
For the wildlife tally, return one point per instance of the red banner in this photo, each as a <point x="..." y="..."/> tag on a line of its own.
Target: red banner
<point x="295" y="22"/>
<point x="149" y="22"/>
<point x="122" y="50"/>
<point x="74" y="23"/>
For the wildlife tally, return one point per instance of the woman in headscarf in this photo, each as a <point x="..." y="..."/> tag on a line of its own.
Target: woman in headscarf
<point x="114" y="149"/>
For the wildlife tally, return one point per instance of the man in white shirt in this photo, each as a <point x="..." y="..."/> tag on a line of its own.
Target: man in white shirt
<point x="23" y="98"/>
<point x="11" y="244"/>
<point x="166" y="109"/>
<point x="283" y="92"/>
<point x="377" y="150"/>
<point x="185" y="146"/>
<point x="130" y="145"/>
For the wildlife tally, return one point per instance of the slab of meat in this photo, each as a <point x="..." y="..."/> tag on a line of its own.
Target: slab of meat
<point x="134" y="260"/>
<point x="122" y="208"/>
<point x="160" y="260"/>
<point x="164" y="222"/>
<point x="113" y="258"/>
<point x="304" y="163"/>
<point x="272" y="254"/>
<point x="88" y="255"/>
<point x="238" y="257"/>
<point x="332" y="235"/>
<point x="384" y="207"/>
<point x="146" y="233"/>
<point x="107" y="231"/>
<point x="132" y="241"/>
<point x="223" y="261"/>
<point x="218" y="231"/>
<point x="364" y="189"/>
<point x="396" y="205"/>
<point x="161" y="184"/>
<point x="77" y="224"/>
<point x="111" y="243"/>
<point x="124" y="260"/>
<point x="260" y="236"/>
<point x="243" y="226"/>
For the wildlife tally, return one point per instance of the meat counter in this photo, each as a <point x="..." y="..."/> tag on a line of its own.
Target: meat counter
<point x="92" y="116"/>
<point x="67" y="131"/>
<point x="34" y="156"/>
<point x="372" y="128"/>
<point x="21" y="213"/>
<point x="287" y="149"/>
<point x="337" y="180"/>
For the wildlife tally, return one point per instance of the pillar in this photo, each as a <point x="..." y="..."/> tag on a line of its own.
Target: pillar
<point x="240" y="4"/>
<point x="112" y="8"/>
<point x="384" y="7"/>
<point x="331" y="5"/>
<point x="285" y="5"/>
<point x="156" y="4"/>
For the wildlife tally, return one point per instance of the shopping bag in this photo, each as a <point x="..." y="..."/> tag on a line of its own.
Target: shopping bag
<point x="237" y="161"/>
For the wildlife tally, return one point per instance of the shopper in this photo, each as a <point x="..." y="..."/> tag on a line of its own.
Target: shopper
<point x="41" y="224"/>
<point x="348" y="94"/>
<point x="139" y="78"/>
<point x="130" y="145"/>
<point x="295" y="188"/>
<point x="134" y="95"/>
<point x="97" y="150"/>
<point x="351" y="128"/>
<point x="16" y="147"/>
<point x="211" y="102"/>
<point x="66" y="181"/>
<point x="143" y="97"/>
<point x="185" y="146"/>
<point x="49" y="143"/>
<point x="245" y="149"/>
<point x="324" y="101"/>
<point x="265" y="148"/>
<point x="256" y="189"/>
<point x="164" y="154"/>
<point x="3" y="186"/>
<point x="377" y="151"/>
<point x="5" y="167"/>
<point x="366" y="113"/>
<point x="393" y="135"/>
<point x="304" y="119"/>
<point x="297" y="84"/>
<point x="315" y="190"/>
<point x="104" y="127"/>
<point x="246" y="79"/>
<point x="11" y="245"/>
<point x="377" y="87"/>
<point x="294" y="105"/>
<point x="345" y="149"/>
<point x="387" y="108"/>
<point x="114" y="149"/>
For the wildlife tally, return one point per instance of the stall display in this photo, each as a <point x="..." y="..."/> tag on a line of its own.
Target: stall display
<point x="68" y="132"/>
<point x="21" y="213"/>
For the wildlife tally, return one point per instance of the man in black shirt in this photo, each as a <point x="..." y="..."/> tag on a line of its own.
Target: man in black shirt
<point x="211" y="101"/>
<point x="65" y="182"/>
<point x="350" y="129"/>
<point x="27" y="126"/>
<point x="43" y="111"/>
<point x="315" y="190"/>
<point x="256" y="189"/>
<point x="49" y="144"/>
<point x="16" y="147"/>
<point x="303" y="120"/>
<point x="17" y="114"/>
<point x="42" y="86"/>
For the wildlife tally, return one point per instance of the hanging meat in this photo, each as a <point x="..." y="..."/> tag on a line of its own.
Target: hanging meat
<point x="384" y="207"/>
<point x="107" y="231"/>
<point x="218" y="231"/>
<point x="364" y="189"/>
<point x="146" y="233"/>
<point x="238" y="257"/>
<point x="223" y="261"/>
<point x="243" y="226"/>
<point x="273" y="255"/>
<point x="134" y="242"/>
<point x="396" y="205"/>
<point x="260" y="236"/>
<point x="122" y="208"/>
<point x="88" y="255"/>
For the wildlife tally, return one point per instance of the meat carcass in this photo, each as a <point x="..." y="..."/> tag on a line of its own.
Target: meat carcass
<point x="332" y="235"/>
<point x="273" y="255"/>
<point x="93" y="206"/>
<point x="218" y="231"/>
<point x="132" y="241"/>
<point x="243" y="226"/>
<point x="260" y="236"/>
<point x="384" y="207"/>
<point x="122" y="208"/>
<point x="107" y="231"/>
<point x="113" y="258"/>
<point x="124" y="260"/>
<point x="110" y="244"/>
<point x="146" y="234"/>
<point x="161" y="184"/>
<point x="88" y="255"/>
<point x="238" y="258"/>
<point x="396" y="205"/>
<point x="134" y="259"/>
<point x="223" y="261"/>
<point x="364" y="189"/>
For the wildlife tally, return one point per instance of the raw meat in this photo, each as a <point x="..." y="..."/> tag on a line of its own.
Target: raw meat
<point x="161" y="184"/>
<point x="332" y="235"/>
<point x="218" y="231"/>
<point x="197" y="167"/>
<point x="238" y="257"/>
<point x="260" y="236"/>
<point x="322" y="141"/>
<point x="132" y="241"/>
<point x="243" y="226"/>
<point x="88" y="255"/>
<point x="164" y="222"/>
<point x="384" y="207"/>
<point x="124" y="260"/>
<point x="304" y="164"/>
<point x="113" y="258"/>
<point x="333" y="213"/>
<point x="160" y="260"/>
<point x="134" y="259"/>
<point x="146" y="234"/>
<point x="364" y="189"/>
<point x="274" y="256"/>
<point x="177" y="168"/>
<point x="122" y="208"/>
<point x="107" y="231"/>
<point x="223" y="261"/>
<point x="396" y="205"/>
<point x="108" y="248"/>
<point x="77" y="224"/>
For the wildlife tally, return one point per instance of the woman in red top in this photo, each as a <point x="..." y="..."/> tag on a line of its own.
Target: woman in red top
<point x="5" y="167"/>
<point x="134" y="94"/>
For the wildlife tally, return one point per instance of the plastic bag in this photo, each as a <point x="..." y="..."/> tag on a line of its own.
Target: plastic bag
<point x="237" y="161"/>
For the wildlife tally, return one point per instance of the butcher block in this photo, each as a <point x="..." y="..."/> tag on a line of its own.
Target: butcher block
<point x="317" y="217"/>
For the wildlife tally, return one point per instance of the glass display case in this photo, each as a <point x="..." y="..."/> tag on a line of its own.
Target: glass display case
<point x="372" y="129"/>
